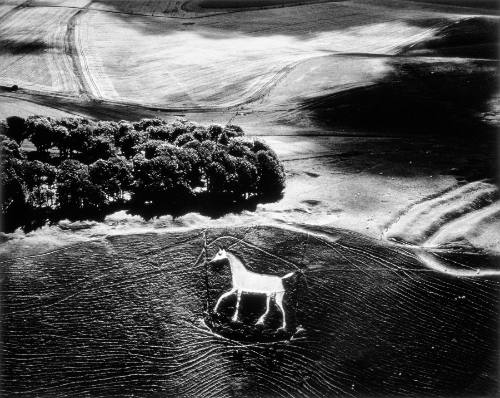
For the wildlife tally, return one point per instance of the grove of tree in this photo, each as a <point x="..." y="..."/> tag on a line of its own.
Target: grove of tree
<point x="80" y="168"/>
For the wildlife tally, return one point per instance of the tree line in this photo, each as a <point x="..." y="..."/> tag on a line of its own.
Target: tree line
<point x="78" y="166"/>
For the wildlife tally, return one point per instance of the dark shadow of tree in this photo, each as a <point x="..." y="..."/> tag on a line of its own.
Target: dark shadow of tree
<point x="213" y="206"/>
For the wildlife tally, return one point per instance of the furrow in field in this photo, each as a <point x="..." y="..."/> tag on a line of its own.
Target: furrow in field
<point x="71" y="48"/>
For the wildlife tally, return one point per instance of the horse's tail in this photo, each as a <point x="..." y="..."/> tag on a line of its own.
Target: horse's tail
<point x="299" y="279"/>
<point x="289" y="275"/>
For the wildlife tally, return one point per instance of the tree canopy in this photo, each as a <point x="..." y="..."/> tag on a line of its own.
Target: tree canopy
<point x="68" y="164"/>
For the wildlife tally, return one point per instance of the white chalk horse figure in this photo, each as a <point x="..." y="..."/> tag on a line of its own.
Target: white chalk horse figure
<point x="252" y="282"/>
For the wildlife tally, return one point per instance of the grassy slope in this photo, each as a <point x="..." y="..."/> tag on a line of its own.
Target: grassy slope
<point x="376" y="321"/>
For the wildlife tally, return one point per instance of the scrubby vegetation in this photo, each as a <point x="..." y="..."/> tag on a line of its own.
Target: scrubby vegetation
<point x="75" y="167"/>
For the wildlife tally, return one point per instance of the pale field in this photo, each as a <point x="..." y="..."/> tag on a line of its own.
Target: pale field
<point x="227" y="60"/>
<point x="361" y="184"/>
<point x="6" y="7"/>
<point x="254" y="68"/>
<point x="36" y="52"/>
<point x="220" y="60"/>
<point x="211" y="56"/>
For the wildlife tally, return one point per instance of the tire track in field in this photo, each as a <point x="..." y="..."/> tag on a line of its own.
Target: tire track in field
<point x="38" y="103"/>
<point x="96" y="283"/>
<point x="266" y="88"/>
<point x="86" y="85"/>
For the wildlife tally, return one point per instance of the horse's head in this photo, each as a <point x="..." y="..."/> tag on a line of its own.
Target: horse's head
<point x="220" y="257"/>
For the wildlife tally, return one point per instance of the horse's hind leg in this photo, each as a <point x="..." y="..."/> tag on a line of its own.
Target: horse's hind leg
<point x="222" y="297"/>
<point x="279" y="302"/>
<point x="261" y="319"/>
<point x="235" y="316"/>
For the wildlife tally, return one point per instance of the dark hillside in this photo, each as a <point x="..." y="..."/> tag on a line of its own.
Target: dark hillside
<point x="126" y="314"/>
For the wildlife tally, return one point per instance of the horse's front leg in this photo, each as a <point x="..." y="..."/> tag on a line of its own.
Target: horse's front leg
<point x="235" y="316"/>
<point x="222" y="297"/>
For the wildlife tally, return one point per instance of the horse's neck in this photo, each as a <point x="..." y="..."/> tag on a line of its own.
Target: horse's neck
<point x="237" y="267"/>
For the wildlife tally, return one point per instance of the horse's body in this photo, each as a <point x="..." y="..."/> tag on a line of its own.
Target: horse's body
<point x="252" y="282"/>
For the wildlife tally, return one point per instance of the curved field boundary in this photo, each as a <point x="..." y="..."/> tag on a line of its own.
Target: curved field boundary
<point x="431" y="261"/>
<point x="435" y="264"/>
<point x="75" y="47"/>
<point x="71" y="48"/>
<point x="36" y="55"/>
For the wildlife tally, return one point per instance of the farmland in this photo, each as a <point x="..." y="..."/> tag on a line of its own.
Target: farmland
<point x="322" y="74"/>
<point x="385" y="116"/>
<point x="94" y="50"/>
<point x="365" y="87"/>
